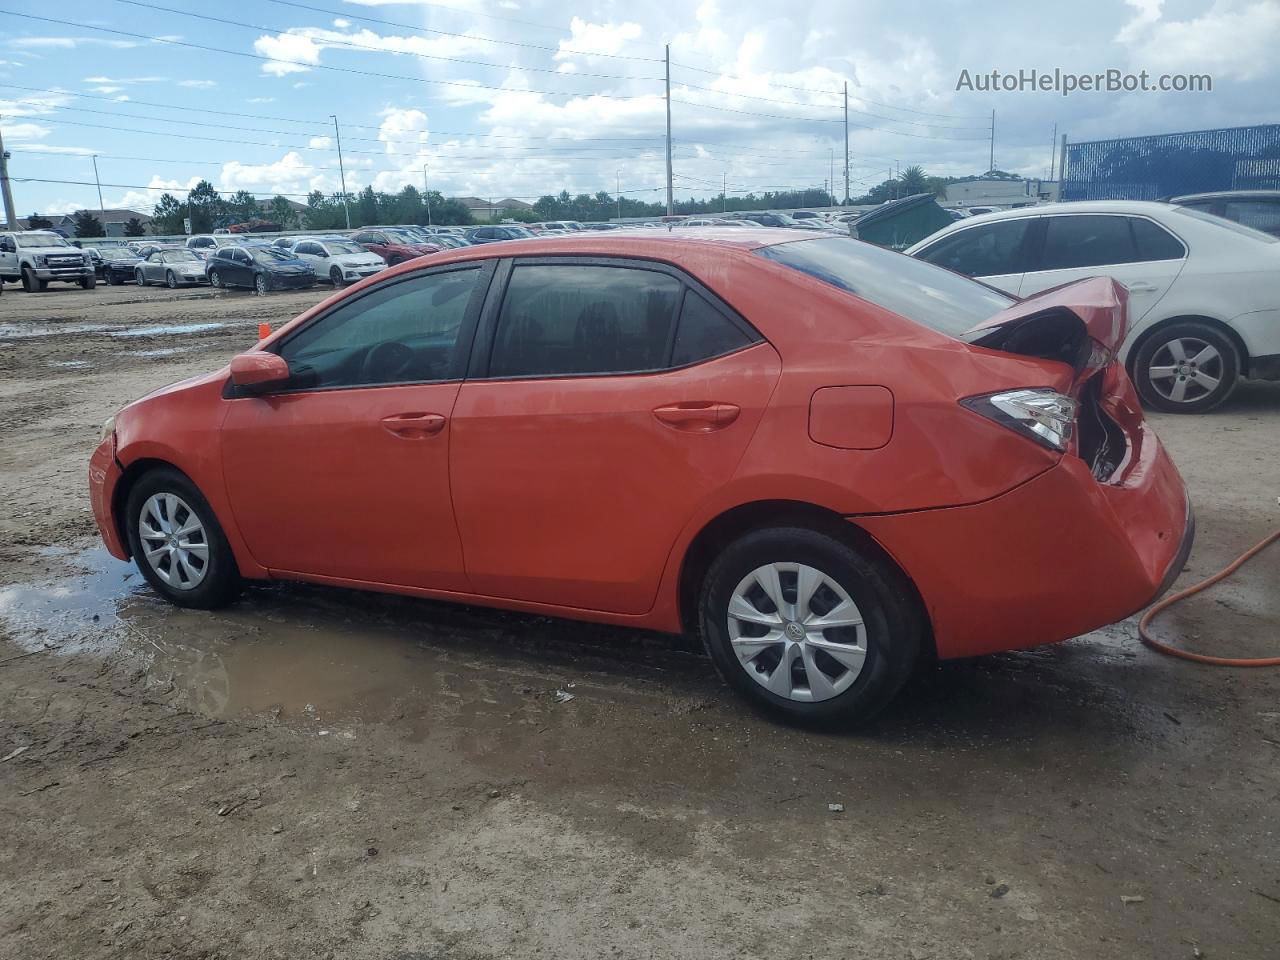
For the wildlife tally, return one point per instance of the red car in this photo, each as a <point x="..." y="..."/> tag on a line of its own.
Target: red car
<point x="828" y="459"/>
<point x="393" y="247"/>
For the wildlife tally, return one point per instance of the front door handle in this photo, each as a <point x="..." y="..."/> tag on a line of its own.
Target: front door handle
<point x="698" y="416"/>
<point x="1142" y="287"/>
<point x="414" y="426"/>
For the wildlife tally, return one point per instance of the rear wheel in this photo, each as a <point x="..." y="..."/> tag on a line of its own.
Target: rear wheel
<point x="178" y="543"/>
<point x="261" y="284"/>
<point x="808" y="627"/>
<point x="139" y="278"/>
<point x="215" y="278"/>
<point x="335" y="276"/>
<point x="113" y="279"/>
<point x="1186" y="367"/>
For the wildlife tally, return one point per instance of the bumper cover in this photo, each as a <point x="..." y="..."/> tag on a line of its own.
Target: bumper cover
<point x="104" y="474"/>
<point x="1054" y="558"/>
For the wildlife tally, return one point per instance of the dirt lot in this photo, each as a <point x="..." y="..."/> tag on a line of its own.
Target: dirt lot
<point x="317" y="773"/>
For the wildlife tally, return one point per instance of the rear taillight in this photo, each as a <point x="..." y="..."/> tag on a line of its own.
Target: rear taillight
<point x="1039" y="413"/>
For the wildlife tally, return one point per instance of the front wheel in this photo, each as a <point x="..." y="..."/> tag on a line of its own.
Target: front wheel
<point x="170" y="280"/>
<point x="808" y="627"/>
<point x="114" y="280"/>
<point x="178" y="543"/>
<point x="139" y="279"/>
<point x="88" y="283"/>
<point x="335" y="277"/>
<point x="1186" y="367"/>
<point x="215" y="278"/>
<point x="31" y="283"/>
<point x="261" y="284"/>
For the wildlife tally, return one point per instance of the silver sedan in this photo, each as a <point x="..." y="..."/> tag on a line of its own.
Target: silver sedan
<point x="170" y="267"/>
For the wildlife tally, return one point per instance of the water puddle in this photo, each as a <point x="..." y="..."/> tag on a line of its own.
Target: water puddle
<point x="28" y="331"/>
<point x="330" y="660"/>
<point x="161" y="330"/>
<point x="160" y="352"/>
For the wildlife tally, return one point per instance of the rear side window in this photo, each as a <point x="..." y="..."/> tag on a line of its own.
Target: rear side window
<point x="987" y="250"/>
<point x="1154" y="242"/>
<point x="704" y="332"/>
<point x="559" y="320"/>
<point x="1079" y="241"/>
<point x="1255" y="213"/>
<point x="911" y="288"/>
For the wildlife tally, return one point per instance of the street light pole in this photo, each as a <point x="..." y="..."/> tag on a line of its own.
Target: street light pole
<point x="101" y="209"/>
<point x="670" y="197"/>
<point x="342" y="173"/>
<point x="618" y="185"/>
<point x="11" y="218"/>
<point x="426" y="193"/>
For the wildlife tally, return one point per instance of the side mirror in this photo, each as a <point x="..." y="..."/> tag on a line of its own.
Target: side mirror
<point x="257" y="370"/>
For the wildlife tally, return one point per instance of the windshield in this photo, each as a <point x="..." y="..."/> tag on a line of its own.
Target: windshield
<point x="339" y="249"/>
<point x="919" y="291"/>
<point x="269" y="254"/>
<point x="398" y="236"/>
<point x="1239" y="228"/>
<point x="40" y="240"/>
<point x="180" y="256"/>
<point x="520" y="231"/>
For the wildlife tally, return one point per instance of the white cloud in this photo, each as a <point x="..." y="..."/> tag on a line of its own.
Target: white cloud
<point x="289" y="174"/>
<point x="320" y="143"/>
<point x="1231" y="38"/>
<point x="144" y="200"/>
<point x="1146" y="13"/>
<point x="106" y="89"/>
<point x="598" y="38"/>
<point x="67" y="43"/>
<point x="290" y="53"/>
<point x="262" y="100"/>
<point x="17" y="132"/>
<point x="198" y="84"/>
<point x="403" y="131"/>
<point x="298" y="49"/>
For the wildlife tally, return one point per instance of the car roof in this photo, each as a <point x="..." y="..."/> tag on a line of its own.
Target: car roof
<point x="1228" y="195"/>
<point x="1073" y="206"/>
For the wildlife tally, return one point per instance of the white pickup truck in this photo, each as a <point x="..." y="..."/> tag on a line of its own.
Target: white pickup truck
<point x="36" y="257"/>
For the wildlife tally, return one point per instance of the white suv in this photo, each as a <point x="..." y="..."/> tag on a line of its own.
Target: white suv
<point x="1204" y="301"/>
<point x="37" y="257"/>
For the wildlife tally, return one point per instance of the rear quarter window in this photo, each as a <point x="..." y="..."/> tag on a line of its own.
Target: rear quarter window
<point x="919" y="291"/>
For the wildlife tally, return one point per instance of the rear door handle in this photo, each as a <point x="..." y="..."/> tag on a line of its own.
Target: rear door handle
<point x="1142" y="288"/>
<point x="414" y="426"/>
<point x="698" y="416"/>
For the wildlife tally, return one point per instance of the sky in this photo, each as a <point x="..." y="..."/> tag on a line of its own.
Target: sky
<point x="520" y="98"/>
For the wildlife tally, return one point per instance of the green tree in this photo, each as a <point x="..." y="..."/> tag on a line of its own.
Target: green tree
<point x="366" y="211"/>
<point x="206" y="207"/>
<point x="912" y="181"/>
<point x="449" y="212"/>
<point x="87" y="225"/>
<point x="37" y="222"/>
<point x="281" y="211"/>
<point x="166" y="218"/>
<point x="241" y="207"/>
<point x="134" y="227"/>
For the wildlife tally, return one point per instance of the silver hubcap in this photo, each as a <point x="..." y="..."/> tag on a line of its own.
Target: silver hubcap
<point x="174" y="541"/>
<point x="797" y="632"/>
<point x="1185" y="369"/>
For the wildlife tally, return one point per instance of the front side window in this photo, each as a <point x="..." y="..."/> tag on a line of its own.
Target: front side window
<point x="559" y="320"/>
<point x="988" y="250"/>
<point x="1085" y="240"/>
<point x="403" y="332"/>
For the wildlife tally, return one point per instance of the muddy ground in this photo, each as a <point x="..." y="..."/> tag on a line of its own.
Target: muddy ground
<point x="320" y="773"/>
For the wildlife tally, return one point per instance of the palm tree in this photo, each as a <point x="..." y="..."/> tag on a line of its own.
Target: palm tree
<point x="912" y="181"/>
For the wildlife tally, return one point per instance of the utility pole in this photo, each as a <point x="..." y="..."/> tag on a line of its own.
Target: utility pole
<point x="1053" y="151"/>
<point x="341" y="170"/>
<point x="101" y="209"/>
<point x="11" y="218"/>
<point x="671" y="206"/>
<point x="426" y="193"/>
<point x="724" y="191"/>
<point x="846" y="142"/>
<point x="1062" y="165"/>
<point x="831" y="171"/>
<point x="993" y="141"/>
<point x="617" y="183"/>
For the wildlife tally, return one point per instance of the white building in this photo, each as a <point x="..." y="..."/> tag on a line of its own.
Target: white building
<point x="993" y="192"/>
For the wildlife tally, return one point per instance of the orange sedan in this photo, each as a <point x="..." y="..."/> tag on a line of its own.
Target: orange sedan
<point x="827" y="459"/>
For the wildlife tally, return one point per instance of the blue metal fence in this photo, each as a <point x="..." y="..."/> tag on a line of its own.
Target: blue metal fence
<point x="1168" y="164"/>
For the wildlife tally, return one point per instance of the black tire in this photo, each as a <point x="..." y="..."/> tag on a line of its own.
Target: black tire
<point x="221" y="580"/>
<point x="139" y="279"/>
<point x="32" y="285"/>
<point x="215" y="278"/>
<point x="1158" y="352"/>
<point x="262" y="283"/>
<point x="113" y="279"/>
<point x="88" y="283"/>
<point x="335" y="277"/>
<point x="171" y="280"/>
<point x="888" y="608"/>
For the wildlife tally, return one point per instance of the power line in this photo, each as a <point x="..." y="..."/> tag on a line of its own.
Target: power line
<point x="371" y="49"/>
<point x="311" y="66"/>
<point x="347" y="15"/>
<point x="862" y="126"/>
<point x="319" y="123"/>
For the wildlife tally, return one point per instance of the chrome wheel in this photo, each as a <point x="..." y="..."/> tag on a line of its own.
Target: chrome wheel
<point x="1186" y="369"/>
<point x="797" y="632"/>
<point x="260" y="284"/>
<point x="174" y="541"/>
